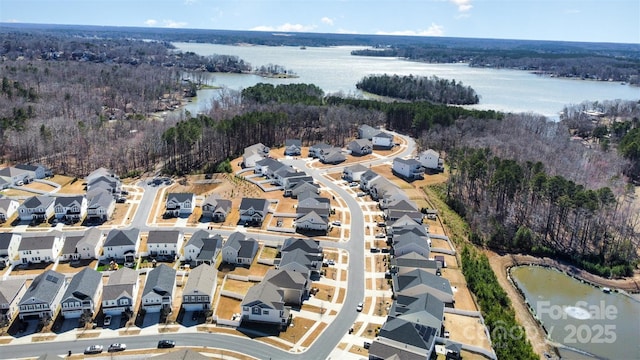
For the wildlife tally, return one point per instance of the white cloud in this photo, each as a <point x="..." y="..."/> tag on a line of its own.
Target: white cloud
<point x="165" y="23"/>
<point x="285" y="27"/>
<point x="327" y="20"/>
<point x="433" y="30"/>
<point x="463" y="5"/>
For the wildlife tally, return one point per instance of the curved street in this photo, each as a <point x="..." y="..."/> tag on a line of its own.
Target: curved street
<point x="321" y="348"/>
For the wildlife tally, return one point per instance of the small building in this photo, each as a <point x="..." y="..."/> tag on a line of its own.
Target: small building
<point x="239" y="250"/>
<point x="100" y="205"/>
<point x="409" y="169"/>
<point x="293" y="147"/>
<point x="83" y="247"/>
<point x="360" y="147"/>
<point x="354" y="172"/>
<point x="430" y="159"/>
<point x="11" y="293"/>
<point x="382" y="140"/>
<point x="180" y="204"/>
<point x="36" y="208"/>
<point x="197" y="294"/>
<point x="122" y="245"/>
<point x="203" y="248"/>
<point x="83" y="294"/>
<point x="165" y="243"/>
<point x="42" y="298"/>
<point x="40" y="248"/>
<point x="120" y="293"/>
<point x="253" y="211"/>
<point x="158" y="289"/>
<point x="8" y="207"/>
<point x="70" y="208"/>
<point x="216" y="209"/>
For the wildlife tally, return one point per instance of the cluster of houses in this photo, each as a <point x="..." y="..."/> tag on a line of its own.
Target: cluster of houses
<point x="415" y="319"/>
<point x="289" y="284"/>
<point x="104" y="188"/>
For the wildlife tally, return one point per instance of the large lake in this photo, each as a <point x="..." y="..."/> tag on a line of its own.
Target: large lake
<point x="335" y="70"/>
<point x="581" y="316"/>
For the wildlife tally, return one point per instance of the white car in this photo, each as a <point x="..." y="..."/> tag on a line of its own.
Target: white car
<point x="117" y="347"/>
<point x="93" y="349"/>
<point x="359" y="307"/>
<point x="107" y="320"/>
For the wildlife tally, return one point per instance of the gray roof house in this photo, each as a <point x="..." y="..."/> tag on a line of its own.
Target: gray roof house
<point x="122" y="244"/>
<point x="367" y="132"/>
<point x="165" y="243"/>
<point x="198" y="292"/>
<point x="409" y="169"/>
<point x="180" y="204"/>
<point x="8" y="207"/>
<point x="159" y="288"/>
<point x="316" y="149"/>
<point x="239" y="250"/>
<point x="70" y="208"/>
<point x="43" y="295"/>
<point x="83" y="294"/>
<point x="419" y="281"/>
<point x="382" y="140"/>
<point x="402" y="339"/>
<point x="100" y="205"/>
<point x="311" y="221"/>
<point x="293" y="147"/>
<point x="85" y="246"/>
<point x="301" y="261"/>
<point x="36" y="208"/>
<point x="11" y="292"/>
<point x="331" y="156"/>
<point x="308" y="245"/>
<point x="9" y="245"/>
<point x="410" y="242"/>
<point x="422" y="308"/>
<point x="295" y="286"/>
<point x="216" y="209"/>
<point x="110" y="184"/>
<point x="360" y="147"/>
<point x="267" y="166"/>
<point x="264" y="303"/>
<point x="203" y="248"/>
<point x="41" y="248"/>
<point x="253" y="211"/>
<point x="354" y="172"/>
<point x="408" y="262"/>
<point x="321" y="205"/>
<point x="300" y="187"/>
<point x="120" y="292"/>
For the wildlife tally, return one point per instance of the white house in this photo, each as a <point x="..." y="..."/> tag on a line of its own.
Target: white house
<point x="165" y="242"/>
<point x="43" y="296"/>
<point x="9" y="244"/>
<point x="122" y="244"/>
<point x="180" y="204"/>
<point x="11" y="292"/>
<point x="197" y="294"/>
<point x="8" y="207"/>
<point x="71" y="208"/>
<point x="203" y="247"/>
<point x="239" y="250"/>
<point x="354" y="172"/>
<point x="159" y="288"/>
<point x="40" y="248"/>
<point x="410" y="169"/>
<point x="83" y="294"/>
<point x="38" y="208"/>
<point x="35" y="171"/>
<point x="85" y="246"/>
<point x="430" y="159"/>
<point x="264" y="303"/>
<point x="382" y="140"/>
<point x="100" y="205"/>
<point x="120" y="293"/>
<point x="312" y="221"/>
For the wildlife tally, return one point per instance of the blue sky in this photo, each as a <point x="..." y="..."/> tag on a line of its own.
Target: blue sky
<point x="570" y="20"/>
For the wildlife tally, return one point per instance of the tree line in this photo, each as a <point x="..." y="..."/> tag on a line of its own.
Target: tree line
<point x="514" y="206"/>
<point x="419" y="88"/>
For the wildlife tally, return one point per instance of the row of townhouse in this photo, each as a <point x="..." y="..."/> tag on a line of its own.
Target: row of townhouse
<point x="270" y="301"/>
<point x="20" y="174"/>
<point x="84" y="293"/>
<point x="415" y="320"/>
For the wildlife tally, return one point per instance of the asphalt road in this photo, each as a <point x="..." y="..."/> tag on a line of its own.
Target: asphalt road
<point x="320" y="349"/>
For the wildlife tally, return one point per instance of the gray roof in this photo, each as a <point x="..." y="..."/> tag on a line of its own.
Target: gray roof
<point x="123" y="276"/>
<point x="121" y="283"/>
<point x="423" y="308"/>
<point x="5" y="239"/>
<point x="38" y="201"/>
<point x="261" y="205"/>
<point x="312" y="216"/>
<point x="308" y="245"/>
<point x="12" y="171"/>
<point x="246" y="248"/>
<point x="160" y="280"/>
<point x="293" y="142"/>
<point x="70" y="244"/>
<point x="91" y="237"/>
<point x="420" y="277"/>
<point x="202" y="279"/>
<point x="286" y="279"/>
<point x="9" y="289"/>
<point x="411" y="162"/>
<point x="67" y="201"/>
<point x="265" y="295"/>
<point x="117" y="237"/>
<point x="299" y="256"/>
<point x="367" y="131"/>
<point x="368" y="175"/>
<point x="217" y="203"/>
<point x="383" y="134"/>
<point x="44" y="287"/>
<point x="403" y="331"/>
<point x="320" y="146"/>
<point x="413" y="260"/>
<point x="356" y="168"/>
<point x="39" y="241"/>
<point x="163" y="236"/>
<point x="100" y="172"/>
<point x="180" y="197"/>
<point x="5" y="203"/>
<point x="99" y="198"/>
<point x="84" y="284"/>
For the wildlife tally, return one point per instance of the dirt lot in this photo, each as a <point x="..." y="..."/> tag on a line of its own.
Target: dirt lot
<point x="467" y="330"/>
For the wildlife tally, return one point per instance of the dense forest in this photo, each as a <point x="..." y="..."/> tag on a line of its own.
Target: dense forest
<point x="419" y="88"/>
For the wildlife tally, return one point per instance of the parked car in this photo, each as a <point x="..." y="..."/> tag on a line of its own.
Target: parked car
<point x="165" y="344"/>
<point x="336" y="223"/>
<point x="93" y="349"/>
<point x="381" y="235"/>
<point x="107" y="320"/>
<point x="367" y="345"/>
<point x="117" y="347"/>
<point x="359" y="307"/>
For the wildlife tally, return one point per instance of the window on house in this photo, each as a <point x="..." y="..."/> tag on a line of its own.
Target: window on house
<point x="255" y="310"/>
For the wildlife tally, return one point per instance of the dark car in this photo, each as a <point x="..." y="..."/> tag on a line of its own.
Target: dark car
<point x="165" y="344"/>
